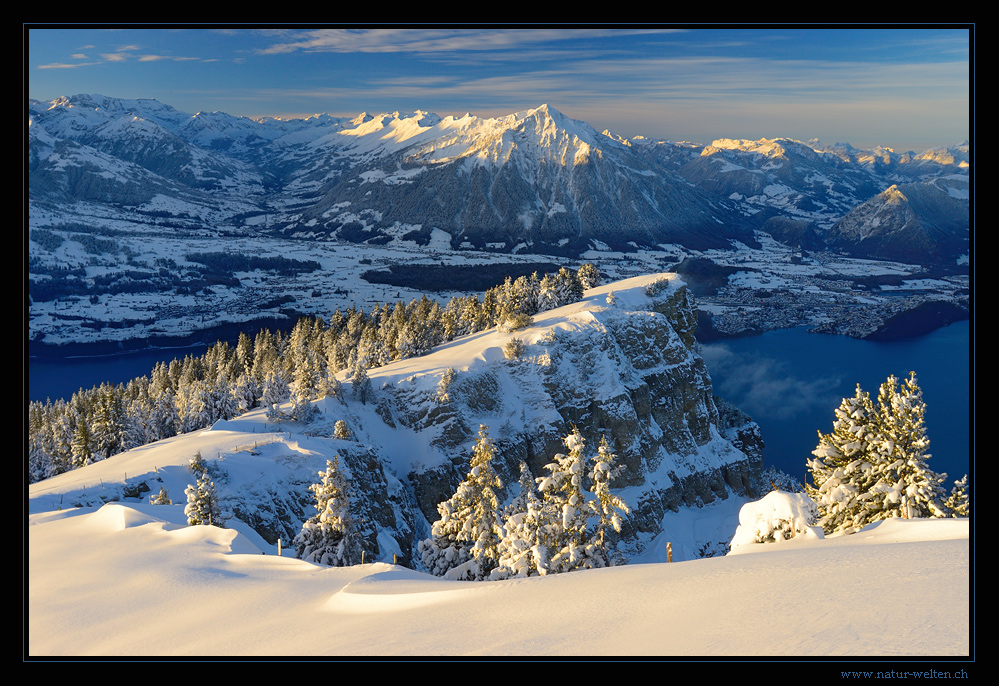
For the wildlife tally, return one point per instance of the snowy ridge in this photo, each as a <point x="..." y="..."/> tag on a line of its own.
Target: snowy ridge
<point x="531" y="180"/>
<point x="620" y="364"/>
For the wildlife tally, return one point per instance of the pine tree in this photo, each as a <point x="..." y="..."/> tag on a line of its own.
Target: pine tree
<point x="330" y="537"/>
<point x="566" y="511"/>
<point x="522" y="551"/>
<point x="606" y="506"/>
<point x="203" y="503"/>
<point x="464" y="542"/>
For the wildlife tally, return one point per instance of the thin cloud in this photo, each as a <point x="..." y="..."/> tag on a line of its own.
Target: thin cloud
<point x="64" y="65"/>
<point x="429" y="41"/>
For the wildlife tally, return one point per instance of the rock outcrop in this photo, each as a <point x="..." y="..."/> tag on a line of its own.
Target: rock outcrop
<point x="622" y="364"/>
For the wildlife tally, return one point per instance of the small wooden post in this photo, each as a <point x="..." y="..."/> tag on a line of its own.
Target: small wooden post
<point x="362" y="557"/>
<point x="279" y="546"/>
<point x="669" y="552"/>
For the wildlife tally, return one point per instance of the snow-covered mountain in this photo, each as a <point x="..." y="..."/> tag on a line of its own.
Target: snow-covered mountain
<point x="620" y="364"/>
<point x="534" y="179"/>
<point x="914" y="222"/>
<point x="531" y="181"/>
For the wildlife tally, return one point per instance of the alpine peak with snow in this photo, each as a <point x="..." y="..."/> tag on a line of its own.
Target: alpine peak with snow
<point x="535" y="180"/>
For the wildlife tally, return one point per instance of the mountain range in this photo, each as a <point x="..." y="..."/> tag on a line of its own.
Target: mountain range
<point x="533" y="181"/>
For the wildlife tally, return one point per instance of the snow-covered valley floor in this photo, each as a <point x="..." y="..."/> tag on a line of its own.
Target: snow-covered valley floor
<point x="131" y="579"/>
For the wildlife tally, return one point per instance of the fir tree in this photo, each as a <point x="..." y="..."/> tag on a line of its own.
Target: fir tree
<point x="445" y="386"/>
<point x="522" y="551"/>
<point x="906" y="486"/>
<point x="842" y="470"/>
<point x="330" y="537"/>
<point x="588" y="275"/>
<point x="464" y="542"/>
<point x="605" y="505"/>
<point x="361" y="388"/>
<point x="566" y="511"/>
<point x="82" y="446"/>
<point x="957" y="503"/>
<point x="161" y="498"/>
<point x="203" y="503"/>
<point x="874" y="464"/>
<point x="197" y="464"/>
<point x="341" y="431"/>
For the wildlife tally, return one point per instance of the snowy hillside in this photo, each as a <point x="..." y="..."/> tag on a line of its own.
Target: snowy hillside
<point x="142" y="583"/>
<point x="619" y="364"/>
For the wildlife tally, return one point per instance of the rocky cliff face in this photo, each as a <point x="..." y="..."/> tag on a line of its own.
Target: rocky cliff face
<point x="622" y="364"/>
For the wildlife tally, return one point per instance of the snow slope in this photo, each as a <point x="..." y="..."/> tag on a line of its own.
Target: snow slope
<point x="131" y="579"/>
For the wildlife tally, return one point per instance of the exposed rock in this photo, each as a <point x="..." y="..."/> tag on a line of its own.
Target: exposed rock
<point x="628" y="371"/>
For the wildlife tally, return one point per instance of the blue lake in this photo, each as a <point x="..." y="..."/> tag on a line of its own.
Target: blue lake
<point x="53" y="378"/>
<point x="791" y="381"/>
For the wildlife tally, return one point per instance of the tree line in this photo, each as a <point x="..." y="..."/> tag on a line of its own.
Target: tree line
<point x="274" y="368"/>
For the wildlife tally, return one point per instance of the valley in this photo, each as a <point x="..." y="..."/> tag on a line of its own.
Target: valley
<point x="159" y="295"/>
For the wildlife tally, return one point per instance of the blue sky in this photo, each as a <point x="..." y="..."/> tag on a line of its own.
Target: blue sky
<point x="907" y="88"/>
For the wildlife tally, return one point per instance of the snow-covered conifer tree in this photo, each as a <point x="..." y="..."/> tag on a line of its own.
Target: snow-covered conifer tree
<point x="361" y="388"/>
<point x="588" y="275"/>
<point x="341" y="431"/>
<point x="161" y="498"/>
<point x="873" y="466"/>
<point x="957" y="503"/>
<point x="274" y="391"/>
<point x="605" y="505"/>
<point x="522" y="551"/>
<point x="203" y="503"/>
<point x="906" y="486"/>
<point x="842" y="470"/>
<point x="446" y="385"/>
<point x="330" y="536"/>
<point x="197" y="464"/>
<point x="566" y="511"/>
<point x="82" y="446"/>
<point x="464" y="542"/>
